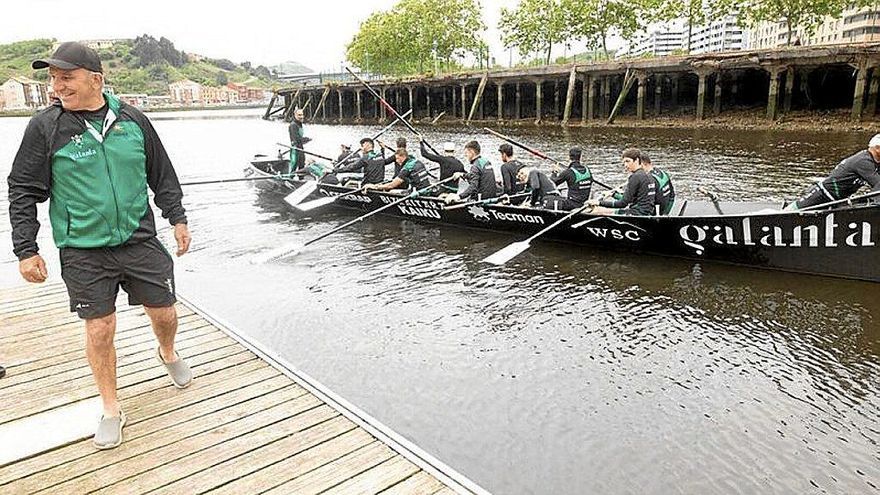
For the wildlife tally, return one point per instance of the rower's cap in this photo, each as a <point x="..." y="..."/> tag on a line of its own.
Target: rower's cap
<point x="71" y="55"/>
<point x="875" y="141"/>
<point x="448" y="146"/>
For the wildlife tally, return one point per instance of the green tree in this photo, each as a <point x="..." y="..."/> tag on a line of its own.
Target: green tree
<point x="803" y="14"/>
<point x="536" y="25"/>
<point x="414" y="34"/>
<point x="594" y="21"/>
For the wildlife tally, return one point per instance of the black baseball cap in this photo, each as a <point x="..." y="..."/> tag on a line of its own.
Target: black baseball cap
<point x="71" y="55"/>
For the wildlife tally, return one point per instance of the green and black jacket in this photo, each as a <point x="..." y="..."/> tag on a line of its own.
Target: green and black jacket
<point x="96" y="176"/>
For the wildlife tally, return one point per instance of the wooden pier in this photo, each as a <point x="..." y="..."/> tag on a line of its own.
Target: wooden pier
<point x="250" y="423"/>
<point x="815" y="78"/>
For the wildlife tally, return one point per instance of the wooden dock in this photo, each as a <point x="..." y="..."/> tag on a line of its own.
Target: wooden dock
<point x="250" y="423"/>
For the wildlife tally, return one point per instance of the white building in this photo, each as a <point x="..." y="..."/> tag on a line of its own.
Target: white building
<point x="185" y="92"/>
<point x="853" y="26"/>
<point x="658" y="40"/>
<point x="718" y="36"/>
<point x="21" y="93"/>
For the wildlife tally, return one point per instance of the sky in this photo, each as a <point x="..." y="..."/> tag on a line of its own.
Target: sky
<point x="263" y="32"/>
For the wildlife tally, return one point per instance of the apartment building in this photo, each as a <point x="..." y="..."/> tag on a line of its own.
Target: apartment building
<point x="21" y="93"/>
<point x="855" y="25"/>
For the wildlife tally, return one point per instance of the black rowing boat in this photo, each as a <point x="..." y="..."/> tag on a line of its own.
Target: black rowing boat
<point x="838" y="242"/>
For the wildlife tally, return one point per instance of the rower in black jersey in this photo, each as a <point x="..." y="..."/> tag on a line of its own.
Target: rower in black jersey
<point x="413" y="174"/>
<point x="849" y="176"/>
<point x="449" y="164"/>
<point x="481" y="177"/>
<point x="579" y="180"/>
<point x="509" y="170"/>
<point x="543" y="190"/>
<point x="665" y="193"/>
<point x="371" y="163"/>
<point x="639" y="195"/>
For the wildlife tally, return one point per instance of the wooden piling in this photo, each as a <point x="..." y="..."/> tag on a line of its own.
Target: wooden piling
<point x="716" y="108"/>
<point x="500" y="89"/>
<point x="859" y="93"/>
<point x="591" y="99"/>
<point x="873" y="89"/>
<point x="478" y="97"/>
<point x="658" y="93"/>
<point x="773" y="94"/>
<point x="538" y="98"/>
<point x="789" y="90"/>
<point x="640" y="98"/>
<point x="463" y="102"/>
<point x="569" y="97"/>
<point x="357" y="95"/>
<point x="586" y="107"/>
<point x="701" y="95"/>
<point x="517" y="114"/>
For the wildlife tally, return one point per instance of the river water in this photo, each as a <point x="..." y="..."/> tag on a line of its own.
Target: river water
<point x="569" y="370"/>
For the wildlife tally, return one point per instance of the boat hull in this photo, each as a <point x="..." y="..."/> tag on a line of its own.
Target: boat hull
<point x="838" y="243"/>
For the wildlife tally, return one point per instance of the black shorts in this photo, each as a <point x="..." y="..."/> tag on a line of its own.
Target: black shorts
<point x="145" y="271"/>
<point x="560" y="203"/>
<point x="814" y="196"/>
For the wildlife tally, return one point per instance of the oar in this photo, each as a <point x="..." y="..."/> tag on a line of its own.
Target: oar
<point x="322" y="157"/>
<point x="317" y="203"/>
<point x="713" y="197"/>
<point x="841" y="201"/>
<point x="296" y="248"/>
<point x="389" y="107"/>
<point x="240" y="179"/>
<point x="513" y="250"/>
<point x="536" y="152"/>
<point x="485" y="201"/>
<point x="302" y="192"/>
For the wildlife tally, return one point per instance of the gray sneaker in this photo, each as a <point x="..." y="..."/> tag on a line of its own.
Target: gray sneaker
<point x="179" y="371"/>
<point x="109" y="434"/>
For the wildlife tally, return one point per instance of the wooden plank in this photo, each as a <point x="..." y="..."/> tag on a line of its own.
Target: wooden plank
<point x="242" y="465"/>
<point x="183" y="439"/>
<point x="420" y="483"/>
<point x="296" y="465"/>
<point x="143" y="361"/>
<point x="138" y="441"/>
<point x="336" y="472"/>
<point x="445" y="491"/>
<point x="132" y="384"/>
<point x="50" y="329"/>
<point x="65" y="348"/>
<point x="199" y="460"/>
<point x="62" y="317"/>
<point x="378" y="478"/>
<point x="152" y="411"/>
<point x="77" y="365"/>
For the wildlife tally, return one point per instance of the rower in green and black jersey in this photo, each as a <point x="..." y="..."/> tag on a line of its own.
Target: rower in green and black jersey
<point x="664" y="192"/>
<point x="481" y="177"/>
<point x="372" y="164"/>
<point x="848" y="176"/>
<point x="297" y="140"/>
<point x="413" y="174"/>
<point x="449" y="164"/>
<point x="579" y="180"/>
<point x="639" y="195"/>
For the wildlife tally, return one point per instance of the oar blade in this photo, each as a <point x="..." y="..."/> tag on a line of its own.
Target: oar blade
<point x="315" y="203"/>
<point x="277" y="253"/>
<point x="301" y="193"/>
<point x="507" y="253"/>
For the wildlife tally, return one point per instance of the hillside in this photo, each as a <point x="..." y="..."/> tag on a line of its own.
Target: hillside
<point x="142" y="65"/>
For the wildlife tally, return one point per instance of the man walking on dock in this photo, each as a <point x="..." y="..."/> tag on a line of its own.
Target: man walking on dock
<point x="95" y="156"/>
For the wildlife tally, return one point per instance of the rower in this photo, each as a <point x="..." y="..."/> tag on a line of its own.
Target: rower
<point x="322" y="172"/>
<point x="297" y="140"/>
<point x="638" y="196"/>
<point x="846" y="178"/>
<point x="509" y="170"/>
<point x="665" y="193"/>
<point x="480" y="177"/>
<point x="346" y="156"/>
<point x="579" y="180"/>
<point x="543" y="190"/>
<point x="449" y="164"/>
<point x="413" y="174"/>
<point x="370" y="162"/>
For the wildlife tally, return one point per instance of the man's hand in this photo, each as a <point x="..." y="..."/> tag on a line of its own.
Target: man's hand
<point x="33" y="269"/>
<point x="593" y="202"/>
<point x="181" y="235"/>
<point x="458" y="175"/>
<point x="452" y="198"/>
